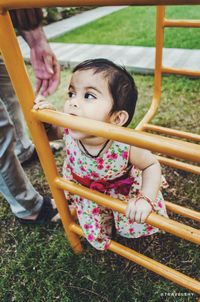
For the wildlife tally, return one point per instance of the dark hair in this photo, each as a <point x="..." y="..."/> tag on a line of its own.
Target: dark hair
<point x="120" y="83"/>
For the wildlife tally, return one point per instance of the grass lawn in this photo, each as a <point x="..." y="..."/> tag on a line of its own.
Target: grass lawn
<point x="37" y="263"/>
<point x="136" y="26"/>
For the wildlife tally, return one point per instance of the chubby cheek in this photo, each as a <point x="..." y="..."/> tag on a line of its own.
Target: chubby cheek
<point x="98" y="113"/>
<point x="102" y="117"/>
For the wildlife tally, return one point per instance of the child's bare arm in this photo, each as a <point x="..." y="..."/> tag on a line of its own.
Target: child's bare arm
<point x="151" y="179"/>
<point x="54" y="132"/>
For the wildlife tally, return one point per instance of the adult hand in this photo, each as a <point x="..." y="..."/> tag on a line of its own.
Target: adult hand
<point x="44" y="62"/>
<point x="46" y="68"/>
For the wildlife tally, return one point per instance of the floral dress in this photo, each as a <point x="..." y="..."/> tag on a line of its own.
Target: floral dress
<point x="106" y="173"/>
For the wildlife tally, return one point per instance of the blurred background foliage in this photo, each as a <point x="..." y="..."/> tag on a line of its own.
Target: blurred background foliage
<point x="53" y="14"/>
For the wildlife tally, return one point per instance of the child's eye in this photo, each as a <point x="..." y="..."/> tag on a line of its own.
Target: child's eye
<point x="89" y="96"/>
<point x="71" y="94"/>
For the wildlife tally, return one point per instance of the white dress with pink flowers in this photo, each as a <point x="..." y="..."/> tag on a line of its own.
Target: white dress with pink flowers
<point x="111" y="174"/>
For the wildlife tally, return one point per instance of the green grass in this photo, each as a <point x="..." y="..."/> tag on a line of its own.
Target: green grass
<point x="38" y="265"/>
<point x="136" y="26"/>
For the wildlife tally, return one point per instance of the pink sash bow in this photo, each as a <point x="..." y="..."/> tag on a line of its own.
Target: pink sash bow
<point x="121" y="185"/>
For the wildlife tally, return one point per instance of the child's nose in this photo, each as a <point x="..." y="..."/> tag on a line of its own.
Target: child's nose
<point x="74" y="102"/>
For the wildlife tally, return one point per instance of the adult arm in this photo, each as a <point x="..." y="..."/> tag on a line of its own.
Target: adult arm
<point x="43" y="60"/>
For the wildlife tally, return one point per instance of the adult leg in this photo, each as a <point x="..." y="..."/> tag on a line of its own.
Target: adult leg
<point x="14" y="184"/>
<point x="24" y="147"/>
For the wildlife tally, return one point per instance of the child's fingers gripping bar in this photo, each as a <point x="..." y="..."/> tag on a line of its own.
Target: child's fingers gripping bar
<point x="140" y="195"/>
<point x="39" y="98"/>
<point x="131" y="209"/>
<point x="42" y="103"/>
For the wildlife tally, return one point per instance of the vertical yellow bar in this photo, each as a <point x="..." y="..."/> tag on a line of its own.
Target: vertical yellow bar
<point x="159" y="51"/>
<point x="16" y="68"/>
<point x="158" y="68"/>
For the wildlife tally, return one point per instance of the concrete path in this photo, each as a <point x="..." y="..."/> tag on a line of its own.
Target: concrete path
<point x="138" y="59"/>
<point x="61" y="27"/>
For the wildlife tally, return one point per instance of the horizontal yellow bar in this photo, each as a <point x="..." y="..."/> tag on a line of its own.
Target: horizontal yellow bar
<point x="166" y="224"/>
<point x="149" y="141"/>
<point x="8" y="4"/>
<point x="148" y="263"/>
<point x="178" y="164"/>
<point x="181" y="23"/>
<point x="180" y="71"/>
<point x="183" y="211"/>
<point x="165" y="130"/>
<point x="188" y="213"/>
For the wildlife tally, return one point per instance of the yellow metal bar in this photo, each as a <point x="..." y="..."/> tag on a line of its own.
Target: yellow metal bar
<point x="181" y="23"/>
<point x="178" y="164"/>
<point x="17" y="71"/>
<point x="188" y="213"/>
<point x="165" y="130"/>
<point x="150" y="141"/>
<point x="151" y="112"/>
<point x="149" y="263"/>
<point x="158" y="67"/>
<point x="144" y="125"/>
<point x="183" y="211"/>
<point x="187" y="72"/>
<point x="7" y="4"/>
<point x="166" y="224"/>
<point x="160" y="13"/>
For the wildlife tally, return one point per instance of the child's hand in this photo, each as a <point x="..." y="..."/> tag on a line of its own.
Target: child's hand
<point x="42" y="103"/>
<point x="138" y="210"/>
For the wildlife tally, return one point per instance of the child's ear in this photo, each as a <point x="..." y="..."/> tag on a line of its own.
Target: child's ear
<point x="119" y="118"/>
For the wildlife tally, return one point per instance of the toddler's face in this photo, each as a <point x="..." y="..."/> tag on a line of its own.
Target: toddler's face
<point x="89" y="97"/>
